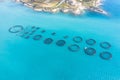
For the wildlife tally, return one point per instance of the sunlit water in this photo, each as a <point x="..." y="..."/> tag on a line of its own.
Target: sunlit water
<point x="27" y="59"/>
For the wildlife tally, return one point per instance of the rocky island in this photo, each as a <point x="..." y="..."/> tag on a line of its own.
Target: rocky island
<point x="66" y="6"/>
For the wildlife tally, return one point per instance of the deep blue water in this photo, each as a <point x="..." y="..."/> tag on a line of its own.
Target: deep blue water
<point x="27" y="59"/>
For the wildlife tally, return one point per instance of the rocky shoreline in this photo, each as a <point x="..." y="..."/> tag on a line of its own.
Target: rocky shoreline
<point x="65" y="6"/>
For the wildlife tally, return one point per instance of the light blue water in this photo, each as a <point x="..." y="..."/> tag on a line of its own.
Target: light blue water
<point x="22" y="59"/>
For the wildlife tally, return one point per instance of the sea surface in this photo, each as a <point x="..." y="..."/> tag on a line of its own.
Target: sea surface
<point x="28" y="59"/>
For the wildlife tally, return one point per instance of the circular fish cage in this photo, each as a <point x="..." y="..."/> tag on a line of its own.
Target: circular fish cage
<point x="105" y="55"/>
<point x="37" y="37"/>
<point x="105" y="45"/>
<point x="60" y="43"/>
<point x="16" y="29"/>
<point x="74" y="48"/>
<point x="48" y="41"/>
<point x="89" y="51"/>
<point x="77" y="39"/>
<point x="90" y="42"/>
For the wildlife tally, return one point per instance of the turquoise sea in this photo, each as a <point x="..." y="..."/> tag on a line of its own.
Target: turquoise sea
<point x="27" y="59"/>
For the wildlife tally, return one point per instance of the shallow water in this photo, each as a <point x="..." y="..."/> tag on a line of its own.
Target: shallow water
<point x="26" y="59"/>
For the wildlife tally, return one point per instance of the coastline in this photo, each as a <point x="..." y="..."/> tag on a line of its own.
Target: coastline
<point x="74" y="7"/>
